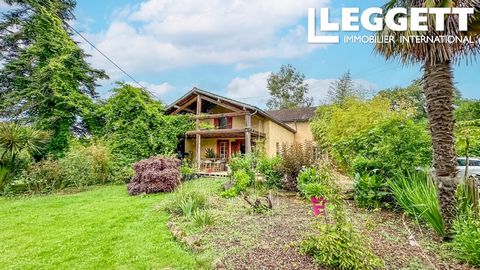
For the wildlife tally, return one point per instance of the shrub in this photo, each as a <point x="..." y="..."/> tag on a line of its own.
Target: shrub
<point x="371" y="192"/>
<point x="466" y="240"/>
<point x="295" y="158"/>
<point x="244" y="163"/>
<point x="85" y="166"/>
<point x="185" y="203"/>
<point x="311" y="183"/>
<point x="43" y="177"/>
<point x="270" y="168"/>
<point x="416" y="193"/>
<point x="242" y="182"/>
<point x="187" y="171"/>
<point x="202" y="218"/>
<point x="156" y="174"/>
<point x="338" y="246"/>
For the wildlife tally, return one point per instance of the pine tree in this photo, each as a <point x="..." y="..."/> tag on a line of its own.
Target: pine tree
<point x="46" y="81"/>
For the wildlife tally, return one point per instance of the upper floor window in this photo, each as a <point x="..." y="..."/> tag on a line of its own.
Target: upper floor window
<point x="223" y="123"/>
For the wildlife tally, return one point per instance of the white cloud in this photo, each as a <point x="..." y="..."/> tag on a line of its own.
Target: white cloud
<point x="158" y="90"/>
<point x="253" y="90"/>
<point x="3" y="5"/>
<point x="164" y="34"/>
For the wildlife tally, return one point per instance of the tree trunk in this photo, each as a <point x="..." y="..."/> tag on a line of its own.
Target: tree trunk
<point x="438" y="87"/>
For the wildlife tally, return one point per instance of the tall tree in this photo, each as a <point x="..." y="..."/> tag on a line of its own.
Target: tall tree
<point x="288" y="89"/>
<point x="136" y="127"/>
<point x="437" y="58"/>
<point x="46" y="79"/>
<point x="342" y="89"/>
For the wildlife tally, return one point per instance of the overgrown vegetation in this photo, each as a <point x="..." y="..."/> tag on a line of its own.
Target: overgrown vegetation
<point x="295" y="157"/>
<point x="416" y="193"/>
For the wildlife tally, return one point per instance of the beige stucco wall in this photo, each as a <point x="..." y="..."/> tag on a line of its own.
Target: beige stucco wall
<point x="275" y="133"/>
<point x="304" y="133"/>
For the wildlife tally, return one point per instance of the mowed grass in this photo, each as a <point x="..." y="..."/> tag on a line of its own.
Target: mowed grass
<point x="104" y="228"/>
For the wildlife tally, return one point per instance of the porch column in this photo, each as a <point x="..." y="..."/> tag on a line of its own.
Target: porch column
<point x="197" y="136"/>
<point x="248" y="134"/>
<point x="199" y="150"/>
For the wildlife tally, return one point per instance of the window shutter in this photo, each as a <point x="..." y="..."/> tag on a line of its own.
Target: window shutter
<point x="216" y="122"/>
<point x="229" y="122"/>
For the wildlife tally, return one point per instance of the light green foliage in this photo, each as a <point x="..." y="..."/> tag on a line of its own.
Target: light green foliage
<point x="466" y="138"/>
<point x="17" y="144"/>
<point x="242" y="180"/>
<point x="102" y="227"/>
<point x="344" y="88"/>
<point x="335" y="243"/>
<point x="363" y="135"/>
<point x="371" y="191"/>
<point x="313" y="182"/>
<point x="416" y="193"/>
<point x="202" y="218"/>
<point x="409" y="100"/>
<point x="338" y="246"/>
<point x="246" y="163"/>
<point x="466" y="241"/>
<point x="136" y="127"/>
<point x="467" y="110"/>
<point x="270" y="168"/>
<point x="48" y="82"/>
<point x="186" y="202"/>
<point x="393" y="146"/>
<point x="288" y="89"/>
<point x="80" y="167"/>
<point x="187" y="170"/>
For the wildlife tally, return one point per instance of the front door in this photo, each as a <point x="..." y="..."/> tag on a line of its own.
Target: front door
<point x="223" y="149"/>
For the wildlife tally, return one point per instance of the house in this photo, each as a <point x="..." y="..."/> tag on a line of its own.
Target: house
<point x="225" y="127"/>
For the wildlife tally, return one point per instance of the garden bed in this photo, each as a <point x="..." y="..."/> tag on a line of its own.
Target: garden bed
<point x="242" y="239"/>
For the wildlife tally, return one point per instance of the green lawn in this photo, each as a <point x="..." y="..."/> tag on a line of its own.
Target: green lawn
<point x="99" y="229"/>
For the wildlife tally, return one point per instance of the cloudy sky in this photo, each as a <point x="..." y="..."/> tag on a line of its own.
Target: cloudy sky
<point x="231" y="46"/>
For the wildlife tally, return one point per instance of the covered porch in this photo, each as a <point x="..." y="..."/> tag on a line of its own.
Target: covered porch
<point x="211" y="151"/>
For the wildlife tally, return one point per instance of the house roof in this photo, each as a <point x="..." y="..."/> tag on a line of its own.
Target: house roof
<point x="294" y="115"/>
<point x="238" y="104"/>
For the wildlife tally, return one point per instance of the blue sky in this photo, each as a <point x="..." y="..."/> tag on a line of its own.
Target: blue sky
<point x="230" y="46"/>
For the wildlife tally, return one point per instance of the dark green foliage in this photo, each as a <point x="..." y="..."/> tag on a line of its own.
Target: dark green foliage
<point x="270" y="168"/>
<point x="136" y="127"/>
<point x="17" y="145"/>
<point x="187" y="170"/>
<point x="48" y="81"/>
<point x="288" y="89"/>
<point x="209" y="153"/>
<point x="416" y="193"/>
<point x="371" y="191"/>
<point x="295" y="157"/>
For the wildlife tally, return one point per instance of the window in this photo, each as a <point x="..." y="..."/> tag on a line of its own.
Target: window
<point x="278" y="148"/>
<point x="223" y="123"/>
<point x="223" y="150"/>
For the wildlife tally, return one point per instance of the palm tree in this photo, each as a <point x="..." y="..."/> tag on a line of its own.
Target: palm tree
<point x="437" y="60"/>
<point x="16" y="139"/>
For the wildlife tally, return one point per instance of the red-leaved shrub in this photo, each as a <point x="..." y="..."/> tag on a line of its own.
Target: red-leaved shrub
<point x="156" y="174"/>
